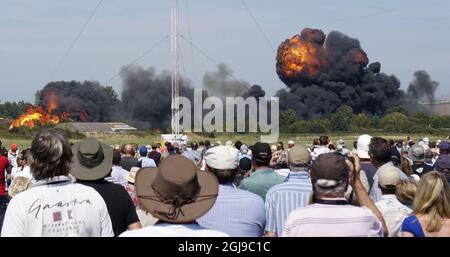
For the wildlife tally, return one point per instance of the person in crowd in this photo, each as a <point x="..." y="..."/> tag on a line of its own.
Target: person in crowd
<point x="405" y="166"/>
<point x="4" y="164"/>
<point x="322" y="148"/>
<point x="54" y="205"/>
<point x="23" y="168"/>
<point x="331" y="214"/>
<point x="264" y="177"/>
<point x="444" y="148"/>
<point x="395" y="154"/>
<point x="245" y="170"/>
<point x="145" y="218"/>
<point x="236" y="212"/>
<point x="201" y="146"/>
<point x="175" y="193"/>
<point x="144" y="160"/>
<point x="92" y="163"/>
<point x="431" y="214"/>
<point x="416" y="154"/>
<point x="279" y="158"/>
<point x="405" y="192"/>
<point x="12" y="155"/>
<point x="394" y="212"/>
<point x="341" y="147"/>
<point x="362" y="150"/>
<point x="293" y="193"/>
<point x="128" y="158"/>
<point x="442" y="166"/>
<point x="207" y="146"/>
<point x="380" y="156"/>
<point x="118" y="174"/>
<point x="155" y="155"/>
<point x="192" y="154"/>
<point x="238" y="144"/>
<point x="129" y="186"/>
<point x="291" y="144"/>
<point x="315" y="144"/>
<point x="244" y="152"/>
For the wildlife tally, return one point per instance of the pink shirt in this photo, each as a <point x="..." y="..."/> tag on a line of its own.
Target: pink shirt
<point x="332" y="220"/>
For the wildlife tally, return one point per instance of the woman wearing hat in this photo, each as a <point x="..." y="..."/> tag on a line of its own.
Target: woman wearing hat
<point x="176" y="194"/>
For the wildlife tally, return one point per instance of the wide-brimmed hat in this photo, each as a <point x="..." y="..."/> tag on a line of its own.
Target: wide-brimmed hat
<point x="176" y="192"/>
<point x="92" y="159"/>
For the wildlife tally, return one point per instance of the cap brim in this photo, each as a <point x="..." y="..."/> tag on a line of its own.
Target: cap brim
<point x="189" y="212"/>
<point x="363" y="154"/>
<point x="84" y="173"/>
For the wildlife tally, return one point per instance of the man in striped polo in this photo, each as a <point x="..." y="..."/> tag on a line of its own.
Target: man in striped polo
<point x="291" y="194"/>
<point x="331" y="214"/>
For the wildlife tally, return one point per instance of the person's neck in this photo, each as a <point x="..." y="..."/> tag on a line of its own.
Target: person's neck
<point x="262" y="168"/>
<point x="378" y="164"/>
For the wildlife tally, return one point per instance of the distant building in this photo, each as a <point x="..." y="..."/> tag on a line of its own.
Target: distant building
<point x="96" y="127"/>
<point x="440" y="107"/>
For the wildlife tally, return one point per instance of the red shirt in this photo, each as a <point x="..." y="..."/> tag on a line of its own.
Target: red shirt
<point x="4" y="163"/>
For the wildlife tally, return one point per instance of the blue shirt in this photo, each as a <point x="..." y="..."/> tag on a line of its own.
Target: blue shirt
<point x="412" y="225"/>
<point x="236" y="212"/>
<point x="284" y="198"/>
<point x="261" y="181"/>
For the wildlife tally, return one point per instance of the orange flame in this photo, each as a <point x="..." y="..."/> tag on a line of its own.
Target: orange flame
<point x="35" y="116"/>
<point x="38" y="116"/>
<point x="297" y="55"/>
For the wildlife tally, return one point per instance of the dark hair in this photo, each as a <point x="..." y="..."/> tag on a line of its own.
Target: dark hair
<point x="432" y="144"/>
<point x="380" y="150"/>
<point x="201" y="143"/>
<point x="51" y="155"/>
<point x="194" y="146"/>
<point x="315" y="141"/>
<point x="324" y="140"/>
<point x="355" y="144"/>
<point x="388" y="189"/>
<point x="238" y="144"/>
<point x="259" y="163"/>
<point x="391" y="142"/>
<point x="154" y="147"/>
<point x="332" y="147"/>
<point x="207" y="143"/>
<point x="224" y="176"/>
<point x="116" y="157"/>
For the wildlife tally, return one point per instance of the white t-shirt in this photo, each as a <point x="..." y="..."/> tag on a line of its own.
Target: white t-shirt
<point x="26" y="172"/>
<point x="56" y="209"/>
<point x="173" y="230"/>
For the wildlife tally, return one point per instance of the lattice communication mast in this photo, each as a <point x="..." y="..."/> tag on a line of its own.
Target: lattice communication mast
<point x="175" y="69"/>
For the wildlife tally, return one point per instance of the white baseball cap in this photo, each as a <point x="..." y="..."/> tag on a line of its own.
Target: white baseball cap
<point x="362" y="146"/>
<point x="222" y="157"/>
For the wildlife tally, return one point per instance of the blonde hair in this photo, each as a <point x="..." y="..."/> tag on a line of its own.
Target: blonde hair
<point x="433" y="199"/>
<point x="405" y="191"/>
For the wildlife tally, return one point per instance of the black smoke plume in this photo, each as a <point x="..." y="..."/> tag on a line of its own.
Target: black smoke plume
<point x="146" y="96"/>
<point x="323" y="73"/>
<point x="422" y="87"/>
<point x="83" y="101"/>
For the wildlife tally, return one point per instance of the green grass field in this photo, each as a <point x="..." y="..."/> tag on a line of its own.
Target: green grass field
<point x="143" y="138"/>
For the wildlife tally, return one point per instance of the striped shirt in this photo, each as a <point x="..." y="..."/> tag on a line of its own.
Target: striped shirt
<point x="236" y="212"/>
<point x="284" y="198"/>
<point x="332" y="220"/>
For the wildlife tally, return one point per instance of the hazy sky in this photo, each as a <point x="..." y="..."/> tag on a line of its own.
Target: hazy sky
<point x="34" y="34"/>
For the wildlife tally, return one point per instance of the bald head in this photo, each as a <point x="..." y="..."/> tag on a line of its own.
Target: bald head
<point x="129" y="150"/>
